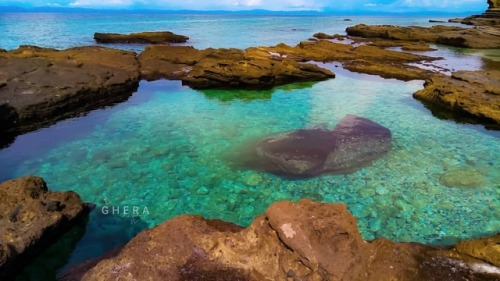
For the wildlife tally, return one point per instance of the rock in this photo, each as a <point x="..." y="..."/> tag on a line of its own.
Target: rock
<point x="491" y="17"/>
<point x="31" y="217"/>
<point x="437" y="21"/>
<point x="322" y="35"/>
<point x="226" y="68"/>
<point x="142" y="37"/>
<point x="456" y="20"/>
<point x="477" y="38"/>
<point x="487" y="249"/>
<point x="43" y="86"/>
<point x="291" y="241"/>
<point x="347" y="19"/>
<point x="462" y="178"/>
<point x="355" y="142"/>
<point x="470" y="96"/>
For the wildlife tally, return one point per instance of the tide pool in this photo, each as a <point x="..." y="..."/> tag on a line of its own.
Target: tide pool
<point x="169" y="148"/>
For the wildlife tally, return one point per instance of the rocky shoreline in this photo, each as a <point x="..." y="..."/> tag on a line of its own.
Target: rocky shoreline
<point x="290" y="241"/>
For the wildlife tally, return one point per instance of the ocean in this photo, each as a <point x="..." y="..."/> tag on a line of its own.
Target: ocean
<point x="169" y="149"/>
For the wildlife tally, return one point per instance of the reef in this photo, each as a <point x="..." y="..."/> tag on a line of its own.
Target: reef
<point x="157" y="37"/>
<point x="290" y="241"/>
<point x="31" y="217"/>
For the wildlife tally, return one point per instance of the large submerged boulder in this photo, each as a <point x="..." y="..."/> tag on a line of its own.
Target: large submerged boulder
<point x="354" y="143"/>
<point x="157" y="37"/>
<point x="31" y="217"/>
<point x="290" y="241"/>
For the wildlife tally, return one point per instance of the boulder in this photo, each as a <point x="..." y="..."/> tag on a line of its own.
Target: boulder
<point x="40" y="86"/>
<point x="290" y="241"/>
<point x="31" y="217"/>
<point x="477" y="37"/>
<point x="158" y="37"/>
<point x="469" y="96"/>
<point x="354" y="143"/>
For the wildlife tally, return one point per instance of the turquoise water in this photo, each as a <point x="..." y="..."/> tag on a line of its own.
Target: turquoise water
<point x="170" y="150"/>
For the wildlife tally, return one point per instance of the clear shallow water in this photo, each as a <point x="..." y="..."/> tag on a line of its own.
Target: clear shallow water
<point x="168" y="148"/>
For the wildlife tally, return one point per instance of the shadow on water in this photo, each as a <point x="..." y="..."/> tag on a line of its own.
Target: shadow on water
<point x="102" y="233"/>
<point x="249" y="95"/>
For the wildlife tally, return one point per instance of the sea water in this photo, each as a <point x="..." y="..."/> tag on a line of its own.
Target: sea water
<point x="169" y="150"/>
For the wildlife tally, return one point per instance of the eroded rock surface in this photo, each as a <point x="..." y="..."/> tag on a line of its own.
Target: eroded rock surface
<point x="291" y="241"/>
<point x="157" y="37"/>
<point x="477" y="37"/>
<point x="466" y="94"/>
<point x="40" y="86"/>
<point x="30" y="218"/>
<point x="355" y="142"/>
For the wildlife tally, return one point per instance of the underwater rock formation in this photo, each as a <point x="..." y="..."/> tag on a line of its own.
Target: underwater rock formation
<point x="355" y="142"/>
<point x="40" y="86"/>
<point x="469" y="95"/>
<point x="157" y="37"/>
<point x="290" y="241"/>
<point x="30" y="218"/>
<point x="477" y="38"/>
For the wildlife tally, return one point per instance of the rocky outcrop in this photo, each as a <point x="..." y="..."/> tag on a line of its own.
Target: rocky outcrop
<point x="490" y="17"/>
<point x="158" y="37"/>
<point x="354" y="143"/>
<point x="469" y="96"/>
<point x="291" y="241"/>
<point x="477" y="37"/>
<point x="30" y="218"/>
<point x="226" y="68"/>
<point x="40" y="86"/>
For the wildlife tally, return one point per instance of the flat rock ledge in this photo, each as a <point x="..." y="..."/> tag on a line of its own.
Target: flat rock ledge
<point x="31" y="217"/>
<point x="40" y="86"/>
<point x="157" y="37"/>
<point x="477" y="37"/>
<point x="469" y="96"/>
<point x="290" y="241"/>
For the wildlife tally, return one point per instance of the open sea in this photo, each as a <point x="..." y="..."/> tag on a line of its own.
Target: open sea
<point x="167" y="150"/>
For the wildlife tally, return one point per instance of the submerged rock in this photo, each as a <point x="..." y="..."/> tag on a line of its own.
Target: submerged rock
<point x="40" y="86"/>
<point x="290" y="241"/>
<point x="478" y="37"/>
<point x="354" y="143"/>
<point x="470" y="96"/>
<point x="462" y="178"/>
<point x="141" y="37"/>
<point x="30" y="218"/>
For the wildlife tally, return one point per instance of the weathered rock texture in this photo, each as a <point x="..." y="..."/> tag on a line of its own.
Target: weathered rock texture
<point x="354" y="143"/>
<point x="30" y="218"/>
<point x="142" y="37"/>
<point x="41" y="86"/>
<point x="226" y="68"/>
<point x="490" y="17"/>
<point x="291" y="241"/>
<point x="477" y="37"/>
<point x="467" y="94"/>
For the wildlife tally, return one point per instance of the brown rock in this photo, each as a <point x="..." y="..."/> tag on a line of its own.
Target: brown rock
<point x="30" y="218"/>
<point x="478" y="37"/>
<point x="466" y="94"/>
<point x="41" y="86"/>
<point x="291" y="241"/>
<point x="490" y="17"/>
<point x="487" y="249"/>
<point x="142" y="37"/>
<point x="322" y="35"/>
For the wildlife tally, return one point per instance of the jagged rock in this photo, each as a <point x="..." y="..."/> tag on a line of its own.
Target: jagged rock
<point x="291" y="241"/>
<point x="30" y="218"/>
<point x="158" y="37"/>
<point x="321" y="35"/>
<point x="466" y="94"/>
<point x="41" y="86"/>
<point x="477" y="37"/>
<point x="355" y="142"/>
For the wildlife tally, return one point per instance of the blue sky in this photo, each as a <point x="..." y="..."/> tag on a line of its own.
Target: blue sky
<point x="278" y="5"/>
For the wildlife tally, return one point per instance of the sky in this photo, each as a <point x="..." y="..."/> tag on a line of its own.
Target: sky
<point x="277" y="5"/>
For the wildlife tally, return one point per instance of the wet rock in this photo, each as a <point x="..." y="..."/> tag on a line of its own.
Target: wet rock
<point x="487" y="249"/>
<point x="141" y="37"/>
<point x="470" y="96"/>
<point x="462" y="178"/>
<point x="354" y="143"/>
<point x="478" y="37"/>
<point x="437" y="21"/>
<point x="321" y="35"/>
<point x="31" y="217"/>
<point x="43" y="86"/>
<point x="290" y="241"/>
